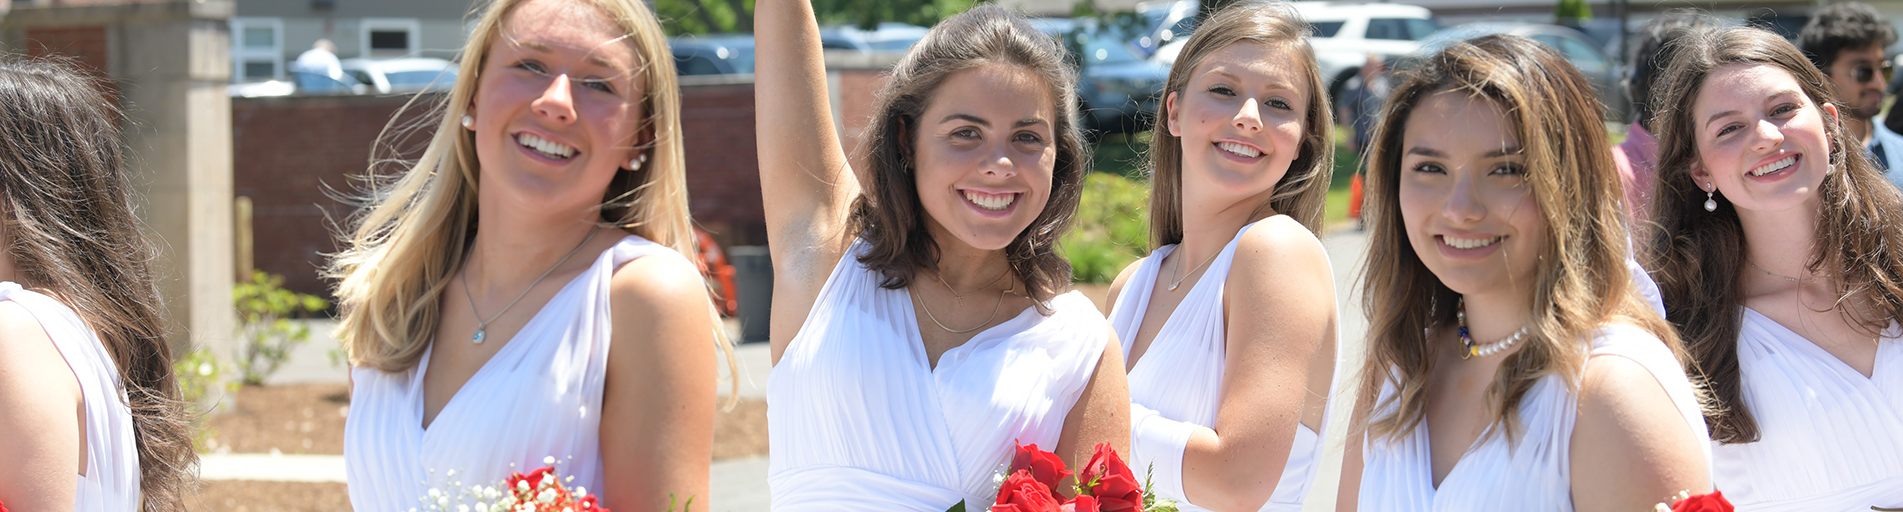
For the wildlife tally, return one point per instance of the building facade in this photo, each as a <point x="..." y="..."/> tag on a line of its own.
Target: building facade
<point x="268" y="35"/>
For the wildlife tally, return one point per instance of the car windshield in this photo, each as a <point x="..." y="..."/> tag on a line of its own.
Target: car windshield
<point x="421" y="78"/>
<point x="1326" y="28"/>
<point x="1401" y="29"/>
<point x="1107" y="50"/>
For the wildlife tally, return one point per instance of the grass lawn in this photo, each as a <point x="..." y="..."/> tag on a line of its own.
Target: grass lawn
<point x="1126" y="154"/>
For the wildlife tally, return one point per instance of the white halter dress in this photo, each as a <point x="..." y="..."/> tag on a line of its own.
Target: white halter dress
<point x="857" y="420"/>
<point x="1532" y="474"/>
<point x="111" y="482"/>
<point x="1177" y="386"/>
<point x="1830" y="439"/>
<point x="539" y="396"/>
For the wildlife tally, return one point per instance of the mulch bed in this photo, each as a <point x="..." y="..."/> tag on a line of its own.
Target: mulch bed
<point x="249" y="496"/>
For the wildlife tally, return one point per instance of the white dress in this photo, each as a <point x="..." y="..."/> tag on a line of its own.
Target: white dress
<point x="538" y="396"/>
<point x="1534" y="474"/>
<point x="1830" y="439"/>
<point x="857" y="420"/>
<point x="111" y="482"/>
<point x="1177" y="386"/>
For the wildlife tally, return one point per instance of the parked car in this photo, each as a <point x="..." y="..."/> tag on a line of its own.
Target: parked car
<point x="402" y="75"/>
<point x="725" y="54"/>
<point x="1346" y="33"/>
<point x="890" y="36"/>
<point x="265" y="89"/>
<point x="1117" y="87"/>
<point x="1166" y="21"/>
<point x="1606" y="73"/>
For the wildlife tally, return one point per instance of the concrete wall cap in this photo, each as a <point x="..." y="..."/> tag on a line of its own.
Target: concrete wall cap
<point x="46" y="16"/>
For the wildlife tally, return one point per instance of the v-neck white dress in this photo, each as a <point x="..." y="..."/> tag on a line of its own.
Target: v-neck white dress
<point x="111" y="482"/>
<point x="538" y="396"/>
<point x="858" y="420"/>
<point x="1535" y="472"/>
<point x="1177" y="386"/>
<point x="1830" y="439"/>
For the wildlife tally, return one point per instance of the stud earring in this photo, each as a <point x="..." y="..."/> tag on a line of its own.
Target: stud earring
<point x="469" y="122"/>
<point x="1711" y="203"/>
<point x="634" y="164"/>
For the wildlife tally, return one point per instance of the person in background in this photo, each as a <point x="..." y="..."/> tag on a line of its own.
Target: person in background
<point x="321" y="59"/>
<point x="1846" y="42"/>
<point x="1360" y="104"/>
<point x="1638" y="156"/>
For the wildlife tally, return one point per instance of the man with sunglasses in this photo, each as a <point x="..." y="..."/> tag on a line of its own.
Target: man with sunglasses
<point x="1846" y="41"/>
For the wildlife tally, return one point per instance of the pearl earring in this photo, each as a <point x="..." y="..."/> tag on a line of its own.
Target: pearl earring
<point x="634" y="164"/>
<point x="1711" y="204"/>
<point x="469" y="122"/>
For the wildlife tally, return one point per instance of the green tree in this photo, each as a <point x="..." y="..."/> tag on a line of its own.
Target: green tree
<point x="1572" y="12"/>
<point x="266" y="329"/>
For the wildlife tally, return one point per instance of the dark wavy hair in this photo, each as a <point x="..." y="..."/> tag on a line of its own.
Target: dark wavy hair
<point x="1696" y="256"/>
<point x="889" y="215"/>
<point x="1843" y="26"/>
<point x="1653" y="53"/>
<point x="73" y="235"/>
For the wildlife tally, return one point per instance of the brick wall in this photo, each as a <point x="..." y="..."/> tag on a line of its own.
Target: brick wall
<point x="289" y="151"/>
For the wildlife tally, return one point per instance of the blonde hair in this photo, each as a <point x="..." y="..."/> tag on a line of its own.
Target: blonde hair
<point x="416" y="224"/>
<point x="1581" y="282"/>
<point x="1301" y="191"/>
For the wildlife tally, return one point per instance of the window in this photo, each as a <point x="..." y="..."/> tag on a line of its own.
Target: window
<point x="1400" y="29"/>
<point x="257" y="49"/>
<point x="1326" y="28"/>
<point x="389" y="37"/>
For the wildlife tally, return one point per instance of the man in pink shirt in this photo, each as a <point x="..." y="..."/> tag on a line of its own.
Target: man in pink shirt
<point x="1638" y="156"/>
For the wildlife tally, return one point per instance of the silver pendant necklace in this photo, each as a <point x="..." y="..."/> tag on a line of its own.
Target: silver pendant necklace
<point x="482" y="326"/>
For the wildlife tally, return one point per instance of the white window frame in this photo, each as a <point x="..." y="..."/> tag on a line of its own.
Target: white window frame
<point x="410" y="25"/>
<point x="241" y="54"/>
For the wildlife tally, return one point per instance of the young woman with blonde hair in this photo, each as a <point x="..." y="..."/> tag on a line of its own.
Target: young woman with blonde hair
<point x="89" y="409"/>
<point x="1229" y="324"/>
<point x="1780" y="255"/>
<point x="522" y="292"/>
<point x="1511" y="363"/>
<point x="920" y="322"/>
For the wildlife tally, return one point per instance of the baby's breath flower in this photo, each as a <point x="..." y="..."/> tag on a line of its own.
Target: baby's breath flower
<point x="548" y="460"/>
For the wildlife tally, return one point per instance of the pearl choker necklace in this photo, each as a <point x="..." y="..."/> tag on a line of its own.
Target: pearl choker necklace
<point x="1476" y="349"/>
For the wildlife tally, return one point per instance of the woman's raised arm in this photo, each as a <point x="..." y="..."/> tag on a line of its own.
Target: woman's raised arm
<point x="807" y="184"/>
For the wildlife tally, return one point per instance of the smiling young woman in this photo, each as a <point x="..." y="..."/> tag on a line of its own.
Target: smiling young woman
<point x="920" y="322"/>
<point x="1512" y="365"/>
<point x="1780" y="255"/>
<point x="521" y="291"/>
<point x="1229" y="324"/>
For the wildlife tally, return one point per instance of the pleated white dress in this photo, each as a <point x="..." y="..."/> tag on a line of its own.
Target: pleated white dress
<point x="1532" y="474"/>
<point x="858" y="420"/>
<point x="1177" y="386"/>
<point x="1830" y="439"/>
<point x="539" y="396"/>
<point x="111" y="482"/>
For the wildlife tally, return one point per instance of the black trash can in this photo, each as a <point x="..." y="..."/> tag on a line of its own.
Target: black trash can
<point x="753" y="276"/>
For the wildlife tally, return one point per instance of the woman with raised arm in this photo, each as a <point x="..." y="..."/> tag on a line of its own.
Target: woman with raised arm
<point x="521" y="292"/>
<point x="1780" y="255"/>
<point x="1511" y="363"/>
<point x="90" y="414"/>
<point x="1229" y="324"/>
<point x="920" y="324"/>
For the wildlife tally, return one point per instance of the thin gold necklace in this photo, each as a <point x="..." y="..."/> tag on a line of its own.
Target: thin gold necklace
<point x="958" y="299"/>
<point x="1779" y="276"/>
<point x="941" y="325"/>
<point x="1179" y="268"/>
<point x="482" y="326"/>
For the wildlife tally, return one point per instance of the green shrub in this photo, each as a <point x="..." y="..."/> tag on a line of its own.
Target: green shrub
<point x="199" y="372"/>
<point x="1112" y="228"/>
<point x="266" y="330"/>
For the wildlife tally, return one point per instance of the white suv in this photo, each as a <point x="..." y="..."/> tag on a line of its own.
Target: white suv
<point x="1345" y="33"/>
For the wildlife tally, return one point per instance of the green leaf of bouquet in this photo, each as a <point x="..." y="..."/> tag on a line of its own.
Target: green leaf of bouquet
<point x="960" y="507"/>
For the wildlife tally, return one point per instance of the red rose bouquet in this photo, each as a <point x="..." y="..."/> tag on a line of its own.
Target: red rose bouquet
<point x="1105" y="485"/>
<point x="1685" y="502"/>
<point x="539" y="491"/>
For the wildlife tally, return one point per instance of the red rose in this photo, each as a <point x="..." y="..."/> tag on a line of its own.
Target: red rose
<point x="1081" y="504"/>
<point x="1714" y="502"/>
<point x="534" y="477"/>
<point x="1111" y="481"/>
<point x="1044" y="466"/>
<point x="1023" y="493"/>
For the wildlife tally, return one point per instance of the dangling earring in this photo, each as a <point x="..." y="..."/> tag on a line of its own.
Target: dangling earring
<point x="469" y="122"/>
<point x="1711" y="204"/>
<point x="634" y="164"/>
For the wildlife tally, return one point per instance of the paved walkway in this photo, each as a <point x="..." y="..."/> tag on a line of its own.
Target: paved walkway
<point x="739" y="485"/>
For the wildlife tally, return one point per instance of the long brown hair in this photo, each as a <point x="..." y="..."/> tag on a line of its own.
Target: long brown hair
<point x="889" y="216"/>
<point x="73" y="235"/>
<point x="1696" y="255"/>
<point x="1581" y="282"/>
<point x="1302" y="190"/>
<point x="417" y="222"/>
